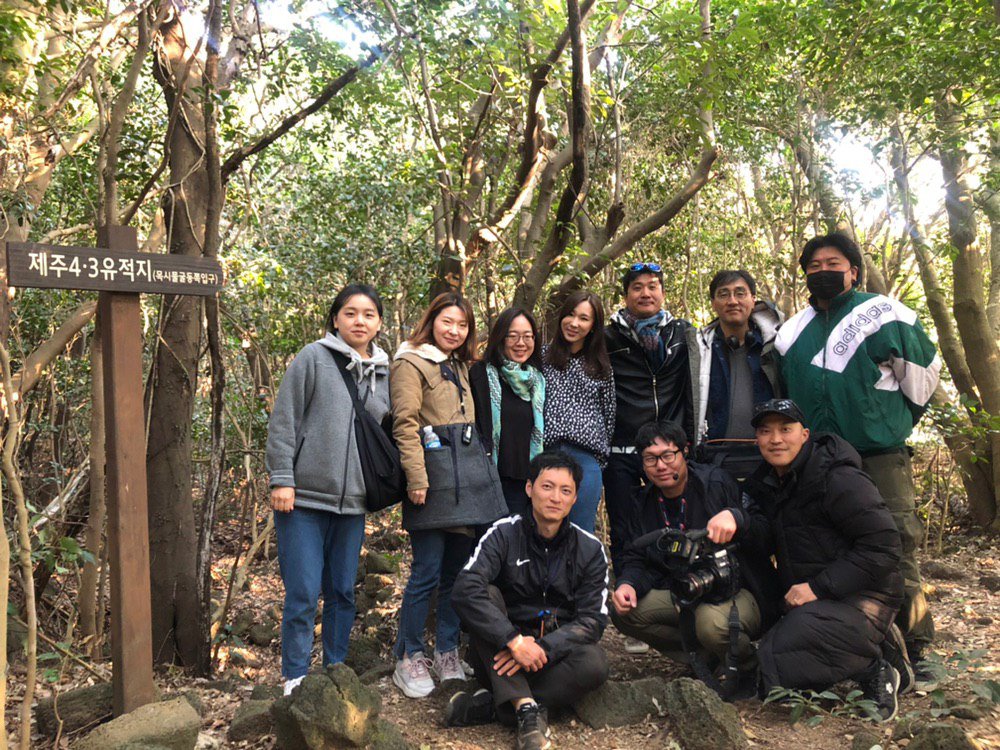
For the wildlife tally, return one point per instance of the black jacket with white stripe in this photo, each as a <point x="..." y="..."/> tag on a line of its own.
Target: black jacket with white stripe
<point x="566" y="576"/>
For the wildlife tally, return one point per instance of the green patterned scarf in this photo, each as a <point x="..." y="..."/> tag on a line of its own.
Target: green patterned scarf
<point x="528" y="384"/>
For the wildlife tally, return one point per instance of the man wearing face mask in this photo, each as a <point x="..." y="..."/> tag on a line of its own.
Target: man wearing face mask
<point x="861" y="366"/>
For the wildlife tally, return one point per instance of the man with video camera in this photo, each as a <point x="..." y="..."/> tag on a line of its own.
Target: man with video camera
<point x="679" y="594"/>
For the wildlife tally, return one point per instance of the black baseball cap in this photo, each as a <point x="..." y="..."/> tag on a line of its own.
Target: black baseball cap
<point x="783" y="406"/>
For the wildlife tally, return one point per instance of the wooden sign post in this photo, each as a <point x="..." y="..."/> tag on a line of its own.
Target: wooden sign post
<point x="120" y="274"/>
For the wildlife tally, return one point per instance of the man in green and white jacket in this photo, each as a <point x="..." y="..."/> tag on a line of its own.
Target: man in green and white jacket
<point x="860" y="365"/>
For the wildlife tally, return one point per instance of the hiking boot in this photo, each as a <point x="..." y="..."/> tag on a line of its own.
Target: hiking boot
<point x="469" y="709"/>
<point x="894" y="652"/>
<point x="926" y="674"/>
<point x="882" y="689"/>
<point x="413" y="676"/>
<point x="635" y="646"/>
<point x="532" y="728"/>
<point x="448" y="666"/>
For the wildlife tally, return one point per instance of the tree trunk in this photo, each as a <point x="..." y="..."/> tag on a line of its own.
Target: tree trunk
<point x="171" y="385"/>
<point x="95" y="520"/>
<point x="969" y="300"/>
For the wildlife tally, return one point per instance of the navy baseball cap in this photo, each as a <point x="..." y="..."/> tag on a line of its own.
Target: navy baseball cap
<point x="782" y="406"/>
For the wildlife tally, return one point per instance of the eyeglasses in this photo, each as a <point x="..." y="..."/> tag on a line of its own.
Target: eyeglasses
<point x="654" y="267"/>
<point x="666" y="458"/>
<point x="513" y="338"/>
<point x="739" y="293"/>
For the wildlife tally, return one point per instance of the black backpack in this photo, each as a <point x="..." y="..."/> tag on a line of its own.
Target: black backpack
<point x="385" y="482"/>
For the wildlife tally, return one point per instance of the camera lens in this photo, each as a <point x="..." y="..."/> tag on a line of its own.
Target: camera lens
<point x="697" y="583"/>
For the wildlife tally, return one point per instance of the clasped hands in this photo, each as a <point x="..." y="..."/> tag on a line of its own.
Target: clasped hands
<point x="522" y="652"/>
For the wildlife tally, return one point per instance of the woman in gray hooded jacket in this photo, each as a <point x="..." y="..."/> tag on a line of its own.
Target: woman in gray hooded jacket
<point x="317" y="487"/>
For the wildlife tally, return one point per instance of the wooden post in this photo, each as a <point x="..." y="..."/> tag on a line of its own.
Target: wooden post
<point x="128" y="525"/>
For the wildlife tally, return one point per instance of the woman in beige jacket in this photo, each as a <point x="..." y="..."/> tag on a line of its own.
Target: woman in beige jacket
<point x="429" y="384"/>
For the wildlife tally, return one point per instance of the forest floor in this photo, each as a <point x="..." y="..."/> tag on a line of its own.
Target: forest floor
<point x="962" y="584"/>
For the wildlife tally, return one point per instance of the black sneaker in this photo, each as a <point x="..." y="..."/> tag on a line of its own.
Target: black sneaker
<point x="532" y="728"/>
<point x="882" y="689"/>
<point x="469" y="709"/>
<point x="894" y="651"/>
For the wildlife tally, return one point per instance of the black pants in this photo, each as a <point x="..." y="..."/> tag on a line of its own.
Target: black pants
<point x="819" y="644"/>
<point x="622" y="477"/>
<point x="556" y="685"/>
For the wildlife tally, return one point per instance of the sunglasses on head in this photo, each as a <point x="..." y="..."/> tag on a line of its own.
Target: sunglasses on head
<point x="654" y="267"/>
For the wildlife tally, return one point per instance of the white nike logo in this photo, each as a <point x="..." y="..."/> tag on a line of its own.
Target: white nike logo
<point x="522" y="562"/>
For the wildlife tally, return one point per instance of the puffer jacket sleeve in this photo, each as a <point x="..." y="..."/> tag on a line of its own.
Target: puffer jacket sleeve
<point x="591" y="607"/>
<point x="406" y="388"/>
<point x="470" y="598"/>
<point x="857" y="511"/>
<point x="284" y="430"/>
<point x="635" y="566"/>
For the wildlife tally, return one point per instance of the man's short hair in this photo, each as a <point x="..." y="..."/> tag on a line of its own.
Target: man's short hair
<point x="668" y="432"/>
<point x="839" y="241"/>
<point x="730" y="276"/>
<point x="554" y="459"/>
<point x="636" y="270"/>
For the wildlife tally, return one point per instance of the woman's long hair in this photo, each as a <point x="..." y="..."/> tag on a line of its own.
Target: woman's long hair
<point x="494" y="353"/>
<point x="424" y="333"/>
<point x="595" y="350"/>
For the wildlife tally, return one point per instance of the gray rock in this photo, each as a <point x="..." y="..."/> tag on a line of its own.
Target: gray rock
<point x="330" y="709"/>
<point x="385" y="735"/>
<point x="171" y="725"/>
<point x="251" y="721"/>
<point x="191" y="697"/>
<point x="865" y="740"/>
<point x="363" y="653"/>
<point x="376" y="673"/>
<point x="83" y="707"/>
<point x="908" y="727"/>
<point x="700" y="719"/>
<point x="266" y="692"/>
<point x="942" y="571"/>
<point x="262" y="634"/>
<point x="990" y="582"/>
<point x="274" y="612"/>
<point x="941" y="736"/>
<point x="363" y="601"/>
<point x="207" y="742"/>
<point x="384" y="595"/>
<point x="375" y="582"/>
<point x="616" y="704"/>
<point x="379" y="563"/>
<point x="242" y="623"/>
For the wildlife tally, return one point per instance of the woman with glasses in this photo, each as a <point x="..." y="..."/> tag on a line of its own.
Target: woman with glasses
<point x="509" y="391"/>
<point x="580" y="397"/>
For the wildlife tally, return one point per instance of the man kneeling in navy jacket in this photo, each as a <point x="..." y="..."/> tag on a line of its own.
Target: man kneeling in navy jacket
<point x="534" y="600"/>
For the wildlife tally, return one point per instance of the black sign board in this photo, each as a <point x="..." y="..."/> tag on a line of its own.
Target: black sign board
<point x="102" y="270"/>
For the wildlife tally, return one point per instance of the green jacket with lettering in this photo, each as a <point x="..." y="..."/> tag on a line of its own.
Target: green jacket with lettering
<point x="864" y="369"/>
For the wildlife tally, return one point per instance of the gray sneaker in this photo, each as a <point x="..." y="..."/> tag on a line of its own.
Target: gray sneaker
<point x="532" y="728"/>
<point x="447" y="666"/>
<point x="413" y="676"/>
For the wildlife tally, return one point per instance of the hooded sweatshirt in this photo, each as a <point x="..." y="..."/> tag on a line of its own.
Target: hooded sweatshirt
<point x="311" y="444"/>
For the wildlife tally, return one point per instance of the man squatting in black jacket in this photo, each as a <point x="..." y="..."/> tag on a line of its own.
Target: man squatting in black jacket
<point x="689" y="497"/>
<point x="837" y="550"/>
<point x="533" y="598"/>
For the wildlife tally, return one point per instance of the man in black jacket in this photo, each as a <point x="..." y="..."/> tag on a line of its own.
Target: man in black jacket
<point x="837" y="550"/>
<point x="533" y="598"/>
<point x="649" y="356"/>
<point x="688" y="497"/>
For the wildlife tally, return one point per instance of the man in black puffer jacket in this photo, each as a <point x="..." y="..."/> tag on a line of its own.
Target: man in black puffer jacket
<point x="837" y="550"/>
<point x="533" y="598"/>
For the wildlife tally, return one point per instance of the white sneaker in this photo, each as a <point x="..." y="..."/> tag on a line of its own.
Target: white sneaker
<point x="290" y="685"/>
<point x="413" y="677"/>
<point x="448" y="666"/>
<point x="635" y="646"/>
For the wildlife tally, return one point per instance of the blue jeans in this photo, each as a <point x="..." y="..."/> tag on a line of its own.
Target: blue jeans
<point x="588" y="494"/>
<point x="318" y="551"/>
<point x="438" y="556"/>
<point x="622" y="478"/>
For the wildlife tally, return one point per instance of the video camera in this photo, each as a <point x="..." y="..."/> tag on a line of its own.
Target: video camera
<point x="700" y="570"/>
